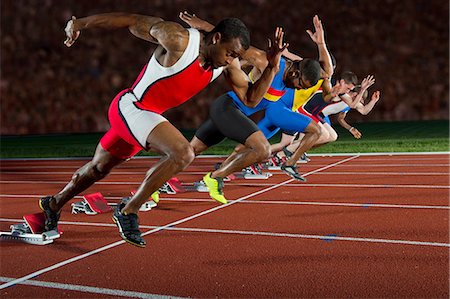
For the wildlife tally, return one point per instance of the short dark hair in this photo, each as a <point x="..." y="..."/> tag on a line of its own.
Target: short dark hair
<point x="310" y="70"/>
<point x="349" y="77"/>
<point x="233" y="28"/>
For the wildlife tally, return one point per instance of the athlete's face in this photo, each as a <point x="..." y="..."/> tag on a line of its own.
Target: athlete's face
<point x="297" y="80"/>
<point x="346" y="86"/>
<point x="224" y="52"/>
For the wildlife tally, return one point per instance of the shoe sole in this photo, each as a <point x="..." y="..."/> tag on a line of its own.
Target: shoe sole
<point x="123" y="236"/>
<point x="297" y="179"/>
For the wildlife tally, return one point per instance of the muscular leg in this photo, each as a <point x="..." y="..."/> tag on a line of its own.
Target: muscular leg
<point x="93" y="171"/>
<point x="312" y="133"/>
<point x="178" y="154"/>
<point x="286" y="140"/>
<point x="257" y="149"/>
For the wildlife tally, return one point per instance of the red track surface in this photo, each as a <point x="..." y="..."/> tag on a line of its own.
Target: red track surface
<point x="369" y="226"/>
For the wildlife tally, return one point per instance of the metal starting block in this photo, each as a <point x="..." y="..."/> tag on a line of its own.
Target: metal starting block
<point x="174" y="186"/>
<point x="31" y="231"/>
<point x="247" y="175"/>
<point x="92" y="204"/>
<point x="148" y="205"/>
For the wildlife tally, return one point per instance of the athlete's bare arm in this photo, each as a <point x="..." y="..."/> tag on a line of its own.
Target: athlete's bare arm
<point x="170" y="35"/>
<point x="365" y="109"/>
<point x="365" y="84"/>
<point x="341" y="120"/>
<point x="252" y="94"/>
<point x="324" y="55"/>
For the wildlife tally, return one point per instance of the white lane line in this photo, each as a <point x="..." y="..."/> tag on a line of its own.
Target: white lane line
<point x="256" y="184"/>
<point x="112" y="245"/>
<point x="87" y="289"/>
<point x="311" y="164"/>
<point x="262" y="233"/>
<point x="276" y="172"/>
<point x="280" y="202"/>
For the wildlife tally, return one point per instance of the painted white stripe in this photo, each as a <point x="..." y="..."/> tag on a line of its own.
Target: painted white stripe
<point x="112" y="245"/>
<point x="310" y="164"/>
<point x="271" y="234"/>
<point x="255" y="184"/>
<point x="280" y="202"/>
<point x="87" y="289"/>
<point x="271" y="171"/>
<point x="224" y="156"/>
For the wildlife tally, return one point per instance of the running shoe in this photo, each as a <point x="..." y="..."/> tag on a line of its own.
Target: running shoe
<point x="128" y="225"/>
<point x="292" y="172"/>
<point x="155" y="196"/>
<point x="215" y="187"/>
<point x="305" y="158"/>
<point x="51" y="217"/>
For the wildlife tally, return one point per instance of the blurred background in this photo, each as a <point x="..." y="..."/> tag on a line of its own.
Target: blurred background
<point x="48" y="88"/>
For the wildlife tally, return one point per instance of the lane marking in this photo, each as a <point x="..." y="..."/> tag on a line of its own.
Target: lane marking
<point x="262" y="233"/>
<point x="280" y="202"/>
<point x="258" y="184"/>
<point x="276" y="172"/>
<point x="112" y="245"/>
<point x="87" y="289"/>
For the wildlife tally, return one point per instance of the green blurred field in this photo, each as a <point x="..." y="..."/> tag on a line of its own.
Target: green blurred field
<point x="425" y="136"/>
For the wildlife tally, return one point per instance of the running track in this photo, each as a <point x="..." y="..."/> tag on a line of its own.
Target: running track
<point x="362" y="226"/>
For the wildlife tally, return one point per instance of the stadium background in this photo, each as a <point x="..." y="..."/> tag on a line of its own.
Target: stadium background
<point x="48" y="88"/>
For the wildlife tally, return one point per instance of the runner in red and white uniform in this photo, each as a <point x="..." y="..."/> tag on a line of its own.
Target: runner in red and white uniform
<point x="183" y="64"/>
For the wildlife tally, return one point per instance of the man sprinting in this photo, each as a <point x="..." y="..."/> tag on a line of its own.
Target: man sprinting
<point x="184" y="62"/>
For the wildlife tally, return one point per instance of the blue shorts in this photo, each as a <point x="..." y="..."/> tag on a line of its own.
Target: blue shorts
<point x="278" y="116"/>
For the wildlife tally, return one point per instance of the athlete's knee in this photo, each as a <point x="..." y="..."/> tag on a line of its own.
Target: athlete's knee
<point x="182" y="155"/>
<point x="262" y="151"/>
<point x="333" y="136"/>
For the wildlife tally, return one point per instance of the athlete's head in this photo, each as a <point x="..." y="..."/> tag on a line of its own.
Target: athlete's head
<point x="348" y="80"/>
<point x="302" y="74"/>
<point x="227" y="41"/>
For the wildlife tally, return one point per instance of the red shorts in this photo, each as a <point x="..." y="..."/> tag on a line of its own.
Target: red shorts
<point x="130" y="126"/>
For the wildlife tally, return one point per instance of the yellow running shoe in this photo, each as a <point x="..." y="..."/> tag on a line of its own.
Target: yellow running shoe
<point x="215" y="187"/>
<point x="155" y="196"/>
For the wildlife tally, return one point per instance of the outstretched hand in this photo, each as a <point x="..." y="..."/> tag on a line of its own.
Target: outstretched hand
<point x="276" y="48"/>
<point x="71" y="34"/>
<point x="318" y="36"/>
<point x="194" y="22"/>
<point x="367" y="82"/>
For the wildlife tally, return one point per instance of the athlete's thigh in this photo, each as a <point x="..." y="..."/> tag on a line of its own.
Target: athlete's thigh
<point x="209" y="134"/>
<point x="165" y="138"/>
<point x="231" y="122"/>
<point x="287" y="119"/>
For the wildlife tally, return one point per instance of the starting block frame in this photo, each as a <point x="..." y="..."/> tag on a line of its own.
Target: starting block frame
<point x="31" y="231"/>
<point x="93" y="204"/>
<point x="174" y="186"/>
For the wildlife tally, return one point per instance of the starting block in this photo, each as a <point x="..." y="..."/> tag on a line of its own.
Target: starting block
<point x="31" y="231"/>
<point x="174" y="186"/>
<point x="92" y="204"/>
<point x="148" y="205"/>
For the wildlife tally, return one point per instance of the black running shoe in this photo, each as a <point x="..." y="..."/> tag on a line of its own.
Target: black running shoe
<point x="51" y="217"/>
<point x="292" y="172"/>
<point x="128" y="226"/>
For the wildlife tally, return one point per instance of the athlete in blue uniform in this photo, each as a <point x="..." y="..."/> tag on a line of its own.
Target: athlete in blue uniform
<point x="228" y="116"/>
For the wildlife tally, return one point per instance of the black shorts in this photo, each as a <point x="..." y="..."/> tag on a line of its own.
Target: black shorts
<point x="290" y="133"/>
<point x="225" y="120"/>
